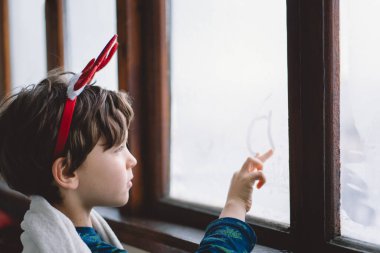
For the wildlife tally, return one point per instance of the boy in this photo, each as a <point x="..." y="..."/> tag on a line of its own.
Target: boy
<point x="64" y="143"/>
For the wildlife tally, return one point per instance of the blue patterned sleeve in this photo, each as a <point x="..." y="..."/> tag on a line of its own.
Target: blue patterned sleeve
<point x="228" y="235"/>
<point x="95" y="243"/>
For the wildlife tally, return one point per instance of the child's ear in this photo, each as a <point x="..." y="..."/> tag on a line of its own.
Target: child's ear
<point x="62" y="177"/>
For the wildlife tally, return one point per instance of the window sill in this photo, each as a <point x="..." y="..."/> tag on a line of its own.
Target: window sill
<point x="158" y="236"/>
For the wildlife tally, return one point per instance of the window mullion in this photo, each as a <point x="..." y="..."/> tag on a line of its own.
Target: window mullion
<point x="129" y="73"/>
<point x="54" y="33"/>
<point x="155" y="99"/>
<point x="5" y="71"/>
<point x="332" y="119"/>
<point x="307" y="81"/>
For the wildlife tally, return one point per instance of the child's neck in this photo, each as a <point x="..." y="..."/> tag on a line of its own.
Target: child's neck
<point x="76" y="212"/>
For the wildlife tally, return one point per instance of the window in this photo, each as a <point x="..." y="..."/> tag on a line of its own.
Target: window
<point x="89" y="24"/>
<point x="360" y="121"/>
<point x="313" y="105"/>
<point x="228" y="83"/>
<point x="22" y="50"/>
<point x="27" y="46"/>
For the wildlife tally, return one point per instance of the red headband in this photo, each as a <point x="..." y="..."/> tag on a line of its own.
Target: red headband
<point x="76" y="86"/>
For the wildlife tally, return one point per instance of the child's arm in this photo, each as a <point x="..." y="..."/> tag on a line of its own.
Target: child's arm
<point x="230" y="233"/>
<point x="239" y="199"/>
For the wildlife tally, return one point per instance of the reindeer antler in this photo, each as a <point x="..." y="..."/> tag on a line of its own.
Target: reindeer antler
<point x="76" y="86"/>
<point x="95" y="65"/>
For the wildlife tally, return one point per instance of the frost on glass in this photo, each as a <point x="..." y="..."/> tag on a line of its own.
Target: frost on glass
<point x="90" y="24"/>
<point x="228" y="73"/>
<point x="360" y="120"/>
<point x="27" y="42"/>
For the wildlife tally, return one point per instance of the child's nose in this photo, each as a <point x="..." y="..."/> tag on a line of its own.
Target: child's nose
<point x="132" y="162"/>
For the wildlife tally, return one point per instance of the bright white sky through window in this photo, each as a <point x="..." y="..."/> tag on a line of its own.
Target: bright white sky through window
<point x="27" y="46"/>
<point x="90" y="25"/>
<point x="360" y="119"/>
<point x="228" y="74"/>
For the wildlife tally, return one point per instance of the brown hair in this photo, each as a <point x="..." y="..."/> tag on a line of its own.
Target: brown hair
<point x="29" y="122"/>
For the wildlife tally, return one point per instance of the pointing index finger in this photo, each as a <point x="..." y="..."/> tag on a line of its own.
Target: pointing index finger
<point x="263" y="158"/>
<point x="266" y="155"/>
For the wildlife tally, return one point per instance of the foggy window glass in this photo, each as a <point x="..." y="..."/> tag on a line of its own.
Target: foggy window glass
<point x="90" y="24"/>
<point x="360" y="119"/>
<point x="27" y="46"/>
<point x="228" y="74"/>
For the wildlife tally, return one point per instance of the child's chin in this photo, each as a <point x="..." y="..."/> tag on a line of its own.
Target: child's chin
<point x="116" y="202"/>
<point x="125" y="202"/>
<point x="121" y="202"/>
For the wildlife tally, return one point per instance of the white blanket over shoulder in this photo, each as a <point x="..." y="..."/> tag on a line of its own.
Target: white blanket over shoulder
<point x="48" y="230"/>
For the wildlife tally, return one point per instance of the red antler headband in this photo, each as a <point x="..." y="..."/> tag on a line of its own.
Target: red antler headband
<point x="76" y="86"/>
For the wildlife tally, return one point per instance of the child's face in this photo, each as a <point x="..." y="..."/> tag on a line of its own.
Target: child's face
<point x="105" y="176"/>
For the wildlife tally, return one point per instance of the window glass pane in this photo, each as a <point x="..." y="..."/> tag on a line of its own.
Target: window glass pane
<point x="360" y="119"/>
<point x="28" y="46"/>
<point x="228" y="72"/>
<point x="90" y="24"/>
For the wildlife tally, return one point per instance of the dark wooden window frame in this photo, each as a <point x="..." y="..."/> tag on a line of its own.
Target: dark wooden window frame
<point x="54" y="34"/>
<point x="5" y="68"/>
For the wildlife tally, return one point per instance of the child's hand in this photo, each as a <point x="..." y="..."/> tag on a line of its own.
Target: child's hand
<point x="239" y="200"/>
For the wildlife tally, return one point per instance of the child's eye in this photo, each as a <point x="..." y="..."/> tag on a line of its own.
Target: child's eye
<point x="122" y="147"/>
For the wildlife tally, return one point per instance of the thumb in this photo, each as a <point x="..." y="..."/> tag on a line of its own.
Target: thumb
<point x="258" y="175"/>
